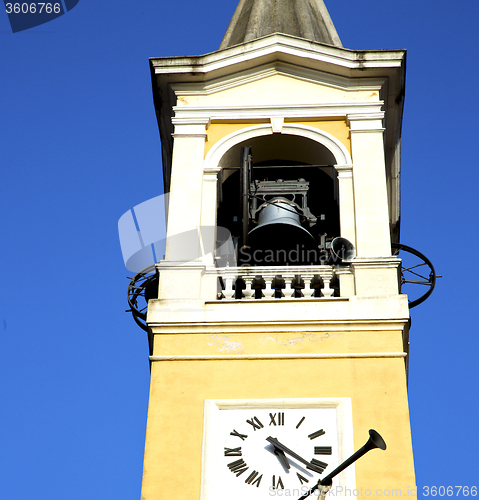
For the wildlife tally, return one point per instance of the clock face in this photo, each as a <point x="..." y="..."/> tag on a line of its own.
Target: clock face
<point x="264" y="450"/>
<point x="278" y="449"/>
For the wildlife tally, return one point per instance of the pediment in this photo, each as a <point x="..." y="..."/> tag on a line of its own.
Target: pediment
<point x="277" y="85"/>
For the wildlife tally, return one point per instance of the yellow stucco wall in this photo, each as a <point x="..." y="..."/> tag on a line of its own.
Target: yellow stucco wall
<point x="216" y="131"/>
<point x="278" y="343"/>
<point x="178" y="390"/>
<point x="337" y="128"/>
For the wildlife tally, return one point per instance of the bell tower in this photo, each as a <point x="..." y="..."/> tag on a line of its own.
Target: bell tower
<point x="278" y="333"/>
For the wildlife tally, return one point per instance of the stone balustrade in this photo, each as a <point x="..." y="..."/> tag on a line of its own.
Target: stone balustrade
<point x="276" y="282"/>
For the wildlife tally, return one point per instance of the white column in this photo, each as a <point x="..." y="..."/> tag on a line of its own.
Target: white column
<point x="346" y="202"/>
<point x="181" y="272"/>
<point x="369" y="181"/>
<point x="186" y="191"/>
<point x="208" y="230"/>
<point x="208" y="209"/>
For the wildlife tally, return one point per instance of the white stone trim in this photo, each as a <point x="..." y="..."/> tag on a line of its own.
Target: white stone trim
<point x="225" y="316"/>
<point x="217" y="357"/>
<point x="199" y="120"/>
<point x="243" y="404"/>
<point x="169" y="265"/>
<point x="344" y="83"/>
<point x="190" y="126"/>
<point x="190" y="130"/>
<point x="359" y="117"/>
<point x="289" y="47"/>
<point x="344" y="170"/>
<point x="338" y="149"/>
<point x="291" y="111"/>
<point x="376" y="262"/>
<point x="203" y="136"/>
<point x="277" y="124"/>
<point x="361" y="122"/>
<point x="211" y="173"/>
<point x="351" y="132"/>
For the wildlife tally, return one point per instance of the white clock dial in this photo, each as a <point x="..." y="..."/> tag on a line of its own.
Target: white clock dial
<point x="277" y="449"/>
<point x="258" y="449"/>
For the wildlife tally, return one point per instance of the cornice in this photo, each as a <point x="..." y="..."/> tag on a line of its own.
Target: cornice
<point x="283" y="47"/>
<point x="258" y="357"/>
<point x="190" y="114"/>
<point x="375" y="262"/>
<point x="310" y="75"/>
<point x="168" y="265"/>
<point x="247" y="327"/>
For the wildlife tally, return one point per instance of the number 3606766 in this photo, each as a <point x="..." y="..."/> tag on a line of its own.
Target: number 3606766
<point x="33" y="8"/>
<point x="449" y="491"/>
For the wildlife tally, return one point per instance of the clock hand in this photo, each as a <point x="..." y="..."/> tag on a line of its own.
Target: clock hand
<point x="282" y="457"/>
<point x="282" y="447"/>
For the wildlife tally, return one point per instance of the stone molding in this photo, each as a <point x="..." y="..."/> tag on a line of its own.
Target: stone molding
<point x="277" y="68"/>
<point x="234" y="357"/>
<point x="208" y="114"/>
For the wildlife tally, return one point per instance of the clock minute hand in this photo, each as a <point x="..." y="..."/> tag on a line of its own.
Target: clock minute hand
<point x="282" y="447"/>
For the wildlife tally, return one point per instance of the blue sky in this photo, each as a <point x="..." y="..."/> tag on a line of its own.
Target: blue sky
<point x="80" y="146"/>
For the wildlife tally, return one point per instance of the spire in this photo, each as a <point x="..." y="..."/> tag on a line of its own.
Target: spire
<point x="307" y="19"/>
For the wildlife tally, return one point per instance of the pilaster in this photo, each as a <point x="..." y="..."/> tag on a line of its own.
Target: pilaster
<point x="184" y="214"/>
<point x="347" y="217"/>
<point x="369" y="179"/>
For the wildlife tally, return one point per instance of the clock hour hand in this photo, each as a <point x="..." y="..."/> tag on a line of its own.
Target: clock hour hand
<point x="282" y="447"/>
<point x="282" y="457"/>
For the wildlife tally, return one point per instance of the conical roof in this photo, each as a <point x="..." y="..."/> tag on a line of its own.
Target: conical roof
<point x="307" y="19"/>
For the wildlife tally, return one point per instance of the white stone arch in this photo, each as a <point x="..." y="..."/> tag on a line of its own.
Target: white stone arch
<point x="343" y="166"/>
<point x="337" y="148"/>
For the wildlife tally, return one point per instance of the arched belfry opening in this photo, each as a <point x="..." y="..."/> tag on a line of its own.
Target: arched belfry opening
<point x="278" y="197"/>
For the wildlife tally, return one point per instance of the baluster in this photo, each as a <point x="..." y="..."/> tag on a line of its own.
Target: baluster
<point x="248" y="292"/>
<point x="308" y="290"/>
<point x="228" y="292"/>
<point x="327" y="291"/>
<point x="269" y="291"/>
<point x="288" y="290"/>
